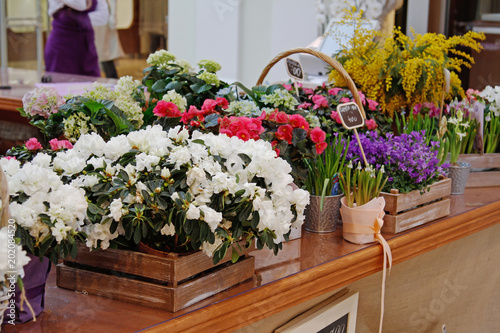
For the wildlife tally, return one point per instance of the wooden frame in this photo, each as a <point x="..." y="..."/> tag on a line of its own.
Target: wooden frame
<point x="336" y="314"/>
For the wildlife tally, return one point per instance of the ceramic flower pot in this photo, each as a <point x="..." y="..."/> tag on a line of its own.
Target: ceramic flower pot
<point x="35" y="277"/>
<point x="361" y="223"/>
<point x="459" y="174"/>
<point x="325" y="220"/>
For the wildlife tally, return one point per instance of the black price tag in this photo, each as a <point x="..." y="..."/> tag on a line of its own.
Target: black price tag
<point x="351" y="116"/>
<point x="294" y="69"/>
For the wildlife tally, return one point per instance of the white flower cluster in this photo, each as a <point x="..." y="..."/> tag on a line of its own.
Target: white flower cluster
<point x="20" y="257"/>
<point x="244" y="109"/>
<point x="176" y="98"/>
<point x="164" y="59"/>
<point x="65" y="205"/>
<point x="273" y="202"/>
<point x="127" y="86"/>
<point x="123" y="101"/>
<point x="492" y="94"/>
<point x="280" y="98"/>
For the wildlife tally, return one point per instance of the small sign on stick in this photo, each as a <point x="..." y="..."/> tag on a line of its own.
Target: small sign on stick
<point x="294" y="69"/>
<point x="351" y="118"/>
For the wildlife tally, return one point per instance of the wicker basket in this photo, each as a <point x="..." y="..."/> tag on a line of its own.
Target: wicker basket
<point x="335" y="64"/>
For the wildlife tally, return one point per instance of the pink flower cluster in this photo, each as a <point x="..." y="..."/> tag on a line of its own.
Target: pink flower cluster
<point x="55" y="144"/>
<point x="193" y="116"/>
<point x="42" y="101"/>
<point x="242" y="127"/>
<point x="426" y="107"/>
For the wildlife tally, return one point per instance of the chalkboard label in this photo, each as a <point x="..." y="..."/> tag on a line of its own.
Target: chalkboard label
<point x="294" y="69"/>
<point x="350" y="114"/>
<point x="338" y="326"/>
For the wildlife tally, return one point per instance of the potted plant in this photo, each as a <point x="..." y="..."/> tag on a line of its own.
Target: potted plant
<point x="322" y="183"/>
<point x="362" y="207"/>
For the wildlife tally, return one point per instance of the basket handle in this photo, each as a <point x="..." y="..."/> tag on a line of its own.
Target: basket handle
<point x="334" y="63"/>
<point x="4" y="196"/>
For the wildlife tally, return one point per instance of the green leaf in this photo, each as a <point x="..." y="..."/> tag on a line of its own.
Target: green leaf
<point x="175" y="85"/>
<point x="235" y="255"/>
<point x="159" y="87"/>
<point x="137" y="235"/>
<point x="255" y="220"/>
<point x="200" y="87"/>
<point x="74" y="250"/>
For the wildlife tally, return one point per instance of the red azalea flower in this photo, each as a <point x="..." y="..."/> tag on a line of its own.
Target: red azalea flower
<point x="33" y="144"/>
<point x="208" y="106"/>
<point x="320" y="147"/>
<point x="297" y="121"/>
<point x="282" y="118"/>
<point x="371" y="124"/>
<point x="285" y="132"/>
<point x="222" y="102"/>
<point x="166" y="109"/>
<point x="243" y="135"/>
<point x="317" y="135"/>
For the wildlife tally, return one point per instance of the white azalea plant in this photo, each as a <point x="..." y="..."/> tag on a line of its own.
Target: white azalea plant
<point x="179" y="193"/>
<point x="49" y="214"/>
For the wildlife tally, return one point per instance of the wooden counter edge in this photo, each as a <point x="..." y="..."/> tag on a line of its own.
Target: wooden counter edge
<point x="267" y="300"/>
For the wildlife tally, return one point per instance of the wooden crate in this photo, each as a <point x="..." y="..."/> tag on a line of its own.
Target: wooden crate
<point x="170" y="283"/>
<point x="409" y="210"/>
<point x="485" y="169"/>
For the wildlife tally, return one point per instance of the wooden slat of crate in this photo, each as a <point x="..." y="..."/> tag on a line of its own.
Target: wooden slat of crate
<point x="155" y="295"/>
<point x="169" y="269"/>
<point x="478" y="161"/>
<point x="483" y="179"/>
<point x="394" y="224"/>
<point x="478" y="177"/>
<point x="395" y="203"/>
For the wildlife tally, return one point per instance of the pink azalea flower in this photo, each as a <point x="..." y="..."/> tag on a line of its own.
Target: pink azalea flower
<point x="319" y="101"/>
<point x="372" y="105"/>
<point x="371" y="124"/>
<point x="288" y="87"/>
<point x="304" y="106"/>
<point x="344" y="100"/>
<point x="335" y="116"/>
<point x="334" y="91"/>
<point x="362" y="97"/>
<point x="60" y="144"/>
<point x="33" y="144"/>
<point x="308" y="91"/>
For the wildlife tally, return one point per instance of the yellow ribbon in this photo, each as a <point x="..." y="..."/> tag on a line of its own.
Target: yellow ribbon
<point x="375" y="230"/>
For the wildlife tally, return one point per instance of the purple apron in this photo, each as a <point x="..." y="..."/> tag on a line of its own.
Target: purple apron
<point x="70" y="47"/>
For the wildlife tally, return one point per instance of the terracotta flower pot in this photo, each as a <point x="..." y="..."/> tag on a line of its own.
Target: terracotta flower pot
<point x="358" y="222"/>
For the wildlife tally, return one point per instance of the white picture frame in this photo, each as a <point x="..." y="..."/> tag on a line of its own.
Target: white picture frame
<point x="336" y="314"/>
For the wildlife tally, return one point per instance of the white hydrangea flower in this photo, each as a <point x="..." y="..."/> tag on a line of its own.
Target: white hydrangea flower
<point x="176" y="98"/>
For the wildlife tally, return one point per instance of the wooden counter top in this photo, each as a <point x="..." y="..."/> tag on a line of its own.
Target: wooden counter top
<point x="306" y="268"/>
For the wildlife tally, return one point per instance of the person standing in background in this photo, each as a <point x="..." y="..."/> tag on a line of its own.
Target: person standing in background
<point x="70" y="47"/>
<point x="107" y="41"/>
